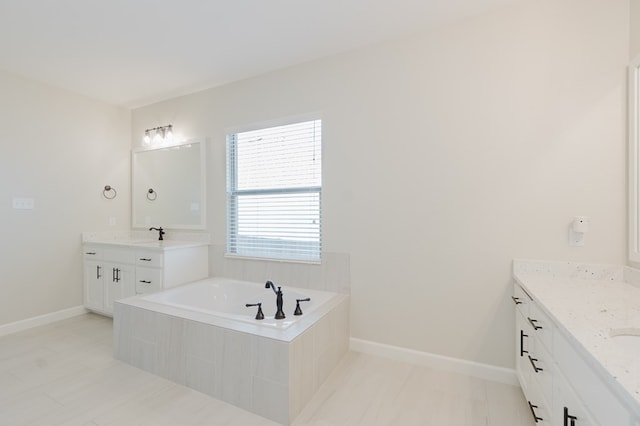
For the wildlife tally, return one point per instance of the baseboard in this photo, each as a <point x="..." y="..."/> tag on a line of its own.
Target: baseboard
<point x="475" y="369"/>
<point x="28" y="323"/>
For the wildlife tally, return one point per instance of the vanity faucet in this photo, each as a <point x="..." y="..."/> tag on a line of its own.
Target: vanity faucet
<point x="160" y="231"/>
<point x="279" y="311"/>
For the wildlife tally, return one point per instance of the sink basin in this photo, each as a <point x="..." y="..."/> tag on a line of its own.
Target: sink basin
<point x="627" y="339"/>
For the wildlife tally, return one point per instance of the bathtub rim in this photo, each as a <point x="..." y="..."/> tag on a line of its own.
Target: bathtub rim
<point x="285" y="335"/>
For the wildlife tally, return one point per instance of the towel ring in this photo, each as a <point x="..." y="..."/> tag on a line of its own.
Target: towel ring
<point x="151" y="195"/>
<point x="106" y="193"/>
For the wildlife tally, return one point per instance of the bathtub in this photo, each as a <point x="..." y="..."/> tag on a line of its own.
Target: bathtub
<point x="226" y="298"/>
<point x="203" y="336"/>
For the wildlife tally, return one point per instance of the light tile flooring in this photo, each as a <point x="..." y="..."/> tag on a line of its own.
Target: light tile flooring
<point x="63" y="373"/>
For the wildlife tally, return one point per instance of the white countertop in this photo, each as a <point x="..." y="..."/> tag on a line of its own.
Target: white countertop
<point x="588" y="302"/>
<point x="146" y="240"/>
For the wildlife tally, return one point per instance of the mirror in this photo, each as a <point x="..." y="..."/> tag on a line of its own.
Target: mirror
<point x="168" y="187"/>
<point x="634" y="160"/>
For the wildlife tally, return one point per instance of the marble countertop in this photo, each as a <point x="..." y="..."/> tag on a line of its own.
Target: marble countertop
<point x="590" y="304"/>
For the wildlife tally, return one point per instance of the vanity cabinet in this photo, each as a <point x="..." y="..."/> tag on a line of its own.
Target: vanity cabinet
<point x="117" y="271"/>
<point x="533" y="362"/>
<point x="559" y="385"/>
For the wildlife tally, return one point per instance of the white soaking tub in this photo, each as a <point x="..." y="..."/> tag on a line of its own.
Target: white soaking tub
<point x="203" y="336"/>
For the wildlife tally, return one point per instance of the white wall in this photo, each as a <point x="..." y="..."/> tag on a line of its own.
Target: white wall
<point x="446" y="155"/>
<point x="60" y="149"/>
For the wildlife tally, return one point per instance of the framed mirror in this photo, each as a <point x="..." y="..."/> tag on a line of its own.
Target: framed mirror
<point x="168" y="186"/>
<point x="634" y="160"/>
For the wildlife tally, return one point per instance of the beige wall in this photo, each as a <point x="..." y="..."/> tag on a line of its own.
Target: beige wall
<point x="446" y="155"/>
<point x="60" y="149"/>
<point x="634" y="21"/>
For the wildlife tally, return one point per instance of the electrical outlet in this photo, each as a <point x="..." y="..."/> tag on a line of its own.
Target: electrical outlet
<point x="23" y="203"/>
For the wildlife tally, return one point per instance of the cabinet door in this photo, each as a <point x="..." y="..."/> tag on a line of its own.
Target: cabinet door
<point x="119" y="283"/>
<point x="524" y="336"/>
<point x="94" y="285"/>
<point x="568" y="410"/>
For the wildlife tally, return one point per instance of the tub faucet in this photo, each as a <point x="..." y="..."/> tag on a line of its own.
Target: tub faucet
<point x="160" y="231"/>
<point x="279" y="311"/>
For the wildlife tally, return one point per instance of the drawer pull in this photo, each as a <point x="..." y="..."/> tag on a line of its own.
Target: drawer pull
<point x="522" y="336"/>
<point x="90" y="253"/>
<point x="516" y="300"/>
<point x="144" y="259"/>
<point x="569" y="420"/>
<point x="533" y="364"/>
<point x="145" y="282"/>
<point x="533" y="412"/>
<point x="534" y="324"/>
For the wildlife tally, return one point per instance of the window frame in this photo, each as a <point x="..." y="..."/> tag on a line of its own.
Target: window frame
<point x="233" y="193"/>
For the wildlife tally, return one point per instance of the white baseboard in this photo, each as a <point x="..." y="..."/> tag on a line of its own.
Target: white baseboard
<point x="475" y="369"/>
<point x="41" y="320"/>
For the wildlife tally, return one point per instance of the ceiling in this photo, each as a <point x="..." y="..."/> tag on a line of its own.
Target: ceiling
<point x="135" y="52"/>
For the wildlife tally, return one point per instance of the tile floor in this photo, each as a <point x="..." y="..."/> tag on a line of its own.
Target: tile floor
<point x="64" y="374"/>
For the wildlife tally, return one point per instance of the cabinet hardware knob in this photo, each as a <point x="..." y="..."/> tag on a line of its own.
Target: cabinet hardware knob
<point x="534" y="324"/>
<point x="516" y="300"/>
<point x="533" y="412"/>
<point x="568" y="419"/>
<point x="533" y="364"/>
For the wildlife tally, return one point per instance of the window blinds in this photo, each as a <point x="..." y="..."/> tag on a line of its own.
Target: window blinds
<point x="274" y="183"/>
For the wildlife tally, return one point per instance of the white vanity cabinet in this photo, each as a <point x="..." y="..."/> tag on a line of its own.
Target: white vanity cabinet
<point x="115" y="271"/>
<point x="534" y="365"/>
<point x="561" y="388"/>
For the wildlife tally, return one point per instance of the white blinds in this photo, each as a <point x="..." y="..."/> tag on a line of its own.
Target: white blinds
<point x="274" y="183"/>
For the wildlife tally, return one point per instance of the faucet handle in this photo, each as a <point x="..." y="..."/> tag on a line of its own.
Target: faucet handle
<point x="298" y="311"/>
<point x="259" y="314"/>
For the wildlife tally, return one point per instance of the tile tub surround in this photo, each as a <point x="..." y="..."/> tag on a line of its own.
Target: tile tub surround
<point x="588" y="301"/>
<point x="271" y="377"/>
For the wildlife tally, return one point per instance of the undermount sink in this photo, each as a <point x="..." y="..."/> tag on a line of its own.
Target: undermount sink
<point x="627" y="339"/>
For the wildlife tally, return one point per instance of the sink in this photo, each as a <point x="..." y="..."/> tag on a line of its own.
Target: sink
<point x="627" y="339"/>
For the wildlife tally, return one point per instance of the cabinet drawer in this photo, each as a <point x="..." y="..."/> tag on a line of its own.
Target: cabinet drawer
<point x="540" y="410"/>
<point x="119" y="256"/>
<point x="541" y="367"/>
<point x="521" y="299"/>
<point x="149" y="258"/>
<point x="148" y="280"/>
<point x="605" y="408"/>
<point x="542" y="325"/>
<point x="92" y="253"/>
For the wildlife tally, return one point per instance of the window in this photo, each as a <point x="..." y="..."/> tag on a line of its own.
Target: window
<point x="274" y="189"/>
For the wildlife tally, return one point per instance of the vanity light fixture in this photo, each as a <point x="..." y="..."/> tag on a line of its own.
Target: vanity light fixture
<point x="161" y="135"/>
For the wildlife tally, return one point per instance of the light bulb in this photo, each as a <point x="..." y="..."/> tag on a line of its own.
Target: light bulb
<point x="159" y="137"/>
<point x="147" y="138"/>
<point x="169" y="133"/>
